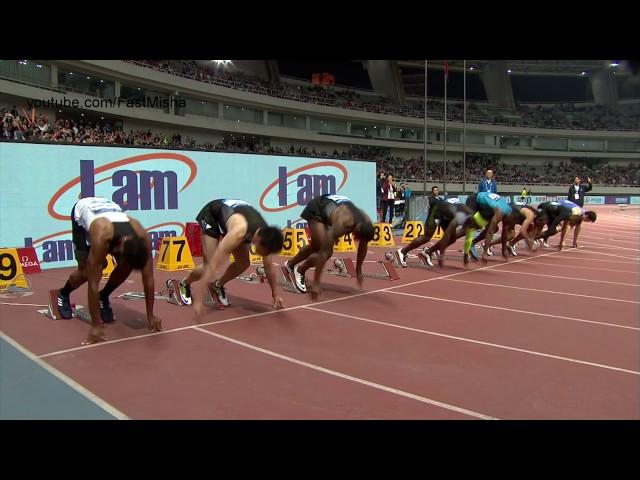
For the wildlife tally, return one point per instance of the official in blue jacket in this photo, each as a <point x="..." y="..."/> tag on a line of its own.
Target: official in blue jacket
<point x="488" y="183"/>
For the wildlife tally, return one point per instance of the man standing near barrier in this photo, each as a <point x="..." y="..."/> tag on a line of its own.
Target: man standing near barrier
<point x="488" y="183"/>
<point x="330" y="217"/>
<point x="577" y="191"/>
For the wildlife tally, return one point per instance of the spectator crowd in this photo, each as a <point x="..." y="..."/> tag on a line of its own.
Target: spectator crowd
<point x="567" y="116"/>
<point x="18" y="126"/>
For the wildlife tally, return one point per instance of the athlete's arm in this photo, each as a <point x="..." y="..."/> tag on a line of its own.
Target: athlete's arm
<point x="155" y="324"/>
<point x="491" y="229"/>
<point x="524" y="229"/>
<point x="236" y="231"/>
<point x="576" y="233"/>
<point x="100" y="236"/>
<point x="273" y="283"/>
<point x="362" y="254"/>
<point x="325" y="252"/>
<point x="563" y="233"/>
<point x="552" y="229"/>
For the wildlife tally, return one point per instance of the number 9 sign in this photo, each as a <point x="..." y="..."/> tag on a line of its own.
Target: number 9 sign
<point x="11" y="269"/>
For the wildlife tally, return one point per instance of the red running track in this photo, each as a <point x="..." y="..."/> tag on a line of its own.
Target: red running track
<point x="553" y="335"/>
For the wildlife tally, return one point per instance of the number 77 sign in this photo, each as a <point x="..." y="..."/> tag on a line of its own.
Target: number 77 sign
<point x="174" y="255"/>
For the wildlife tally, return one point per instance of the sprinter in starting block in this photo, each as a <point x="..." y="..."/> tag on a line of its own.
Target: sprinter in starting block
<point x="526" y="216"/>
<point x="229" y="227"/>
<point x="490" y="209"/>
<point x="567" y="213"/>
<point x="100" y="227"/>
<point x="448" y="214"/>
<point x="329" y="218"/>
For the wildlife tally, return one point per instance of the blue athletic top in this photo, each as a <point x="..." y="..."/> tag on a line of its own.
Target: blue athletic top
<point x="575" y="209"/>
<point x="493" y="200"/>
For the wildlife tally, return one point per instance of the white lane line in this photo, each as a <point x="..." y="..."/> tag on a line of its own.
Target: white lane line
<point x="505" y="309"/>
<point x="479" y="342"/>
<point x="271" y="312"/>
<point x="22" y="304"/>
<point x="615" y="240"/>
<point x="543" y="291"/>
<point x="351" y="378"/>
<point x="110" y="409"/>
<point x="633" y="272"/>
<point x="572" y="278"/>
<point x="584" y="259"/>
<point x="607" y="245"/>
<point x="584" y="250"/>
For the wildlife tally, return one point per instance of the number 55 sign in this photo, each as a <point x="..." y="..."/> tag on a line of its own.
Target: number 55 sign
<point x="294" y="240"/>
<point x="174" y="255"/>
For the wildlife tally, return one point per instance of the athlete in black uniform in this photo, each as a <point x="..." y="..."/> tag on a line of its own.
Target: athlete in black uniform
<point x="567" y="213"/>
<point x="448" y="214"/>
<point x="229" y="227"/>
<point x="329" y="218"/>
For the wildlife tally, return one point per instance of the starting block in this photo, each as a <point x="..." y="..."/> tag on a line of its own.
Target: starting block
<point x="52" y="312"/>
<point x="421" y="256"/>
<point x="344" y="267"/>
<point x="286" y="282"/>
<point x="171" y="295"/>
<point x="259" y="276"/>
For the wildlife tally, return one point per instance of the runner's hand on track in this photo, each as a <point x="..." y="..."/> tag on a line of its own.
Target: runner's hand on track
<point x="155" y="324"/>
<point x="198" y="306"/>
<point x="278" y="302"/>
<point x="96" y="335"/>
<point x="315" y="293"/>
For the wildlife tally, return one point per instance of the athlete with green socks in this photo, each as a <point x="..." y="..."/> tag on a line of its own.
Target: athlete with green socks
<point x="490" y="209"/>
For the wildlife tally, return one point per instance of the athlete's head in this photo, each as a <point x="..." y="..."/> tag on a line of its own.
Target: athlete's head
<point x="135" y="252"/>
<point x="541" y="219"/>
<point x="590" y="216"/>
<point x="268" y="240"/>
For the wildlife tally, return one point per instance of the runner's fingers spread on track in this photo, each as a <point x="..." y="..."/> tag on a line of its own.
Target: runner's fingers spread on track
<point x="96" y="334"/>
<point x="278" y="302"/>
<point x="197" y="309"/>
<point x="155" y="325"/>
<point x="485" y="258"/>
<point x="315" y="293"/>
